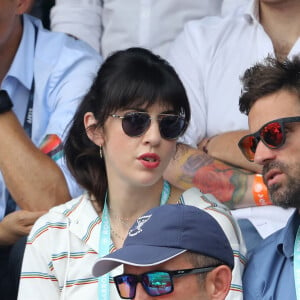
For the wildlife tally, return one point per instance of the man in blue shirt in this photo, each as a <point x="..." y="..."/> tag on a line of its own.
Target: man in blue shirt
<point x="43" y="76"/>
<point x="271" y="99"/>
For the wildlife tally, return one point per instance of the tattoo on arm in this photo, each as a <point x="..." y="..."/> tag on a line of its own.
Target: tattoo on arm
<point x="226" y="182"/>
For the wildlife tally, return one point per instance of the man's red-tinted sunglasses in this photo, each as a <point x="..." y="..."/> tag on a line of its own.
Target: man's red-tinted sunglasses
<point x="272" y="134"/>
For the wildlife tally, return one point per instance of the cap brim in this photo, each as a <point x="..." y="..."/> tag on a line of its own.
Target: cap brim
<point x="135" y="255"/>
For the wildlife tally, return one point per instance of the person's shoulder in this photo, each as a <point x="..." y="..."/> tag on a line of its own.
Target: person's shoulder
<point x="55" y="46"/>
<point x="214" y="25"/>
<point x="56" y="218"/>
<point x="220" y="212"/>
<point x="267" y="245"/>
<point x="63" y="64"/>
<point x="60" y="213"/>
<point x="64" y="45"/>
<point x="66" y="209"/>
<point x="194" y="196"/>
<point x="214" y="207"/>
<point x="203" y="37"/>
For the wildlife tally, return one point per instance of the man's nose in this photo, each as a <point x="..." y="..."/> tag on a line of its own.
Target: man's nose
<point x="263" y="153"/>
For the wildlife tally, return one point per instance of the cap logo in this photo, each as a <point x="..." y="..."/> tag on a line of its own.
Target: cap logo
<point x="139" y="224"/>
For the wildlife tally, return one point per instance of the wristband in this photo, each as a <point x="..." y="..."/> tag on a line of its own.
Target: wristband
<point x="260" y="191"/>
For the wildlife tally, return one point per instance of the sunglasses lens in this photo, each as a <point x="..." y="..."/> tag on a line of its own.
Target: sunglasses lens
<point x="272" y="135"/>
<point x="248" y="146"/>
<point x="135" y="124"/>
<point x="157" y="283"/>
<point x="126" y="285"/>
<point x="171" y="127"/>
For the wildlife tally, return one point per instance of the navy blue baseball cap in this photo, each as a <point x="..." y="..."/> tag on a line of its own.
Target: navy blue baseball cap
<point x="165" y="232"/>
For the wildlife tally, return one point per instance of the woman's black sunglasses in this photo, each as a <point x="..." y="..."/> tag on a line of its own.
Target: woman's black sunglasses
<point x="272" y="134"/>
<point x="135" y="124"/>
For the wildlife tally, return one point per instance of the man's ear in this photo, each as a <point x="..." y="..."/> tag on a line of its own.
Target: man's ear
<point x="95" y="134"/>
<point x="218" y="282"/>
<point x="24" y="6"/>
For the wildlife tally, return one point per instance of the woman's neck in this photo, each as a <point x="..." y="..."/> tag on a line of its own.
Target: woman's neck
<point x="126" y="203"/>
<point x="130" y="202"/>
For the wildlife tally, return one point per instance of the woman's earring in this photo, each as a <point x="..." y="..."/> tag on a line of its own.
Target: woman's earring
<point x="101" y="151"/>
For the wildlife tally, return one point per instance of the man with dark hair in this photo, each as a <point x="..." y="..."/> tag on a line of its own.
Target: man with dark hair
<point x="271" y="99"/>
<point x="209" y="56"/>
<point x="178" y="251"/>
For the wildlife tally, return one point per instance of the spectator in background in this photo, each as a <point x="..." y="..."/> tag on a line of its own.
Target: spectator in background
<point x="210" y="55"/>
<point x="91" y="21"/>
<point x="39" y="96"/>
<point x="118" y="24"/>
<point x="271" y="99"/>
<point x="178" y="251"/>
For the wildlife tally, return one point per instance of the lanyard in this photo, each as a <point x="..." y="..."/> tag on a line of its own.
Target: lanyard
<point x="105" y="241"/>
<point x="297" y="263"/>
<point x="104" y="244"/>
<point x="28" y="117"/>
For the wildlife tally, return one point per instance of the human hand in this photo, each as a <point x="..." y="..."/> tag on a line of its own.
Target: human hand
<point x="17" y="224"/>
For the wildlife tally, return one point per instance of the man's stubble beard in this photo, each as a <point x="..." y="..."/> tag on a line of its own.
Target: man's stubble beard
<point x="285" y="195"/>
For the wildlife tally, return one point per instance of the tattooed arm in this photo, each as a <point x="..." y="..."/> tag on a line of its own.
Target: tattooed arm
<point x="229" y="184"/>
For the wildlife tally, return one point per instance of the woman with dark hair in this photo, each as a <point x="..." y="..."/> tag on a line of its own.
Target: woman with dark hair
<point x="120" y="142"/>
<point x="137" y="98"/>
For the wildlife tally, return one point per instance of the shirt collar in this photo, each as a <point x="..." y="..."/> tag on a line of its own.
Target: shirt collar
<point x="252" y="11"/>
<point x="22" y="65"/>
<point x="86" y="228"/>
<point x="286" y="238"/>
